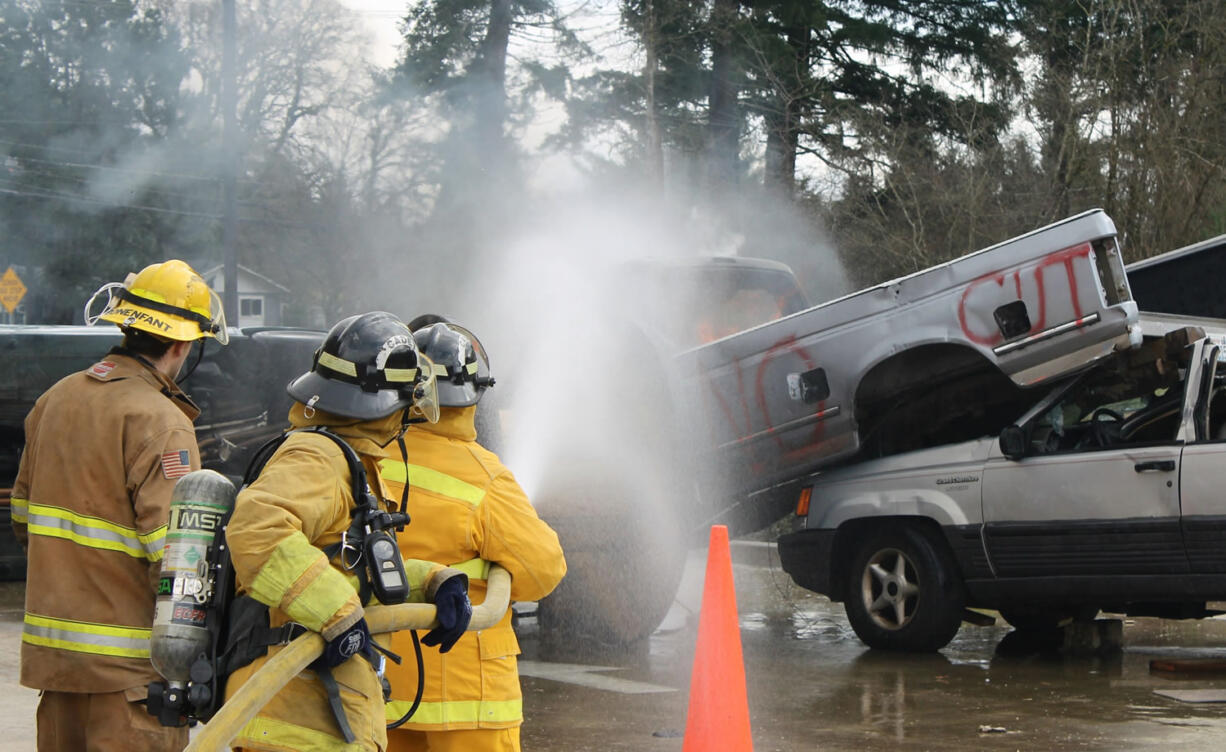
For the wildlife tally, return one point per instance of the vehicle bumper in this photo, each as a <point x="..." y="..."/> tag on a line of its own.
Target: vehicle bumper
<point x="806" y="555"/>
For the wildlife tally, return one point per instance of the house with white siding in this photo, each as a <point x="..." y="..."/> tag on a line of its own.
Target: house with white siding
<point x="261" y="301"/>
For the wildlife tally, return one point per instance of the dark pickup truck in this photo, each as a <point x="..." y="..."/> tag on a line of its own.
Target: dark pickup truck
<point x="240" y="389"/>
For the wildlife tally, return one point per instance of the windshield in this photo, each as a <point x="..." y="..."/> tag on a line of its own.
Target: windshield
<point x="1131" y="399"/>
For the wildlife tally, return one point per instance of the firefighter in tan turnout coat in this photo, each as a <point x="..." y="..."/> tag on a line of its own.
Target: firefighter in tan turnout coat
<point x="104" y="448"/>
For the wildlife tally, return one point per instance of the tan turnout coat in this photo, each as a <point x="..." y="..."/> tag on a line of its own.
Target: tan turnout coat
<point x="104" y="448"/>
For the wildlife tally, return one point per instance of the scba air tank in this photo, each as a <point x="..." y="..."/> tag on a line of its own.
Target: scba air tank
<point x="199" y="507"/>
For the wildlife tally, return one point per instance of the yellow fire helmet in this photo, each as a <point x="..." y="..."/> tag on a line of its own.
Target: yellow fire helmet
<point x="168" y="299"/>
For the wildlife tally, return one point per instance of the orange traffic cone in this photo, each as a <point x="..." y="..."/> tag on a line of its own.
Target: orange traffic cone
<point x="718" y="716"/>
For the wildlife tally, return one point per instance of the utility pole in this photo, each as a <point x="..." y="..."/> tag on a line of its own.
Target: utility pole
<point x="655" y="148"/>
<point x="229" y="135"/>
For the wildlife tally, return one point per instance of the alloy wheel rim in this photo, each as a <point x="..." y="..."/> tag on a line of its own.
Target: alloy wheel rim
<point x="889" y="589"/>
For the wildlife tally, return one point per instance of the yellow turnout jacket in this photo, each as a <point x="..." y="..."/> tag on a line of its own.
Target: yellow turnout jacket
<point x="300" y="503"/>
<point x="467" y="511"/>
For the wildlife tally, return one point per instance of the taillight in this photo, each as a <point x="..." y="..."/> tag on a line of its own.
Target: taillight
<point x="802" y="504"/>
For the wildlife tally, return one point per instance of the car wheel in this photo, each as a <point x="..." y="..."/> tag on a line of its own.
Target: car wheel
<point x="1025" y="619"/>
<point x="904" y="591"/>
<point x="624" y="562"/>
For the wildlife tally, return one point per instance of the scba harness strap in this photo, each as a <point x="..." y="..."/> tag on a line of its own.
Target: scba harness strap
<point x="250" y="636"/>
<point x="240" y="625"/>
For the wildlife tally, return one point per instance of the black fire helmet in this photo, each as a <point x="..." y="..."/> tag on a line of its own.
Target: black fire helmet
<point x="461" y="366"/>
<point x="368" y="367"/>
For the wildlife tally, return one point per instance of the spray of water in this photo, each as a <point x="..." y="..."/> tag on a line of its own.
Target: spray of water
<point x="591" y="421"/>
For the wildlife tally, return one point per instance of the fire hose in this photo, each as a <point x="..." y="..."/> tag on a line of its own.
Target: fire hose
<point x="296" y="656"/>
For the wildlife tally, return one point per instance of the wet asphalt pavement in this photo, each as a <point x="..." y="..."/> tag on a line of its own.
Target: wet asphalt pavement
<point x="812" y="685"/>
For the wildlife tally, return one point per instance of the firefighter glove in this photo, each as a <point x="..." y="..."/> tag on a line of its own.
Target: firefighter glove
<point x="454" y="613"/>
<point x="351" y="642"/>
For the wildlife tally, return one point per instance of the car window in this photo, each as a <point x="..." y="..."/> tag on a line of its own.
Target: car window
<point x="1129" y="403"/>
<point x="1217" y="401"/>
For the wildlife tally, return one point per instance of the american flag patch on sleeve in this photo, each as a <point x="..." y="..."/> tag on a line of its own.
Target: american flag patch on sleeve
<point x="176" y="464"/>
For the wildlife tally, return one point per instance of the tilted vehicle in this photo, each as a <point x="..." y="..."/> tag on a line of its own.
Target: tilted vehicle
<point x="763" y="390"/>
<point x="958" y="342"/>
<point x="1105" y="494"/>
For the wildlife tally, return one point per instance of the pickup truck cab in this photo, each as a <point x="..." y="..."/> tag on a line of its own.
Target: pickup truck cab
<point x="1105" y="494"/>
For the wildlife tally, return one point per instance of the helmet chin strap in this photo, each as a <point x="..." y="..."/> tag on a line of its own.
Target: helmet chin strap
<point x="404" y="457"/>
<point x="199" y="357"/>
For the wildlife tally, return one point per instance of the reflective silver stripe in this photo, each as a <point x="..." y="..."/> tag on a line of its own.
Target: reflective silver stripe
<point x="154" y="543"/>
<point x="94" y="532"/>
<point x="85" y="637"/>
<point x="340" y="365"/>
<point x="400" y="375"/>
<point x="17" y="508"/>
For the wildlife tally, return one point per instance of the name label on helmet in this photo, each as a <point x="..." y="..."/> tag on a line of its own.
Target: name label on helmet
<point x="392" y="343"/>
<point x="131" y="316"/>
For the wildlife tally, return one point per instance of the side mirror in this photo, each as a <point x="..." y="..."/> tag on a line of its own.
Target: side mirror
<point x="1013" y="442"/>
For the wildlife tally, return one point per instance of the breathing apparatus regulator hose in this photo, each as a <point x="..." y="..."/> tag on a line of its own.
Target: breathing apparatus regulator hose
<point x="421" y="664"/>
<point x="421" y="685"/>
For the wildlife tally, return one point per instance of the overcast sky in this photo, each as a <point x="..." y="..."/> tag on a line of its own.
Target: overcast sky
<point x="382" y="18"/>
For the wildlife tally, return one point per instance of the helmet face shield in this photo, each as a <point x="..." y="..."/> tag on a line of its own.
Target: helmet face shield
<point x="425" y="393"/>
<point x="217" y="324"/>
<point x="108" y="290"/>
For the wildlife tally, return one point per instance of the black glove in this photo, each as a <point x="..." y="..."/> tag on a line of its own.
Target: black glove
<point x="454" y="613"/>
<point x="351" y="642"/>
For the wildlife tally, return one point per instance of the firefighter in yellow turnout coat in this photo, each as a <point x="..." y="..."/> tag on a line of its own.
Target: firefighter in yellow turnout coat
<point x="364" y="383"/>
<point x="104" y="448"/>
<point x="468" y="511"/>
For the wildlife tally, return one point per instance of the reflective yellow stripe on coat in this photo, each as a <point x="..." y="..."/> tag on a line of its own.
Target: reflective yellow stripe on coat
<point x="298" y="580"/>
<point x="460" y="711"/>
<point x="432" y="480"/>
<point x="94" y="532"/>
<point x="84" y="637"/>
<point x="476" y="569"/>
<point x="19" y="510"/>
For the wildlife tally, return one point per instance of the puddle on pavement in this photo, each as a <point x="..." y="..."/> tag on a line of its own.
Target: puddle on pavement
<point x="812" y="684"/>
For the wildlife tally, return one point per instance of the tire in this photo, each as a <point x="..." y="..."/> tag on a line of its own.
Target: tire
<point x="904" y="591"/>
<point x="624" y="557"/>
<point x="1046" y="619"/>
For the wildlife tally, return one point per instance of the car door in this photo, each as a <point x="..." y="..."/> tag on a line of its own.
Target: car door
<point x="1088" y="502"/>
<point x="1203" y="471"/>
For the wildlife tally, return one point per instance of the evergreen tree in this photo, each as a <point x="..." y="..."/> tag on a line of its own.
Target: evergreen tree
<point x="86" y="89"/>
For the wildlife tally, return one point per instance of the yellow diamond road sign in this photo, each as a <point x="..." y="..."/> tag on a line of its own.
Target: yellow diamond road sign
<point x="11" y="290"/>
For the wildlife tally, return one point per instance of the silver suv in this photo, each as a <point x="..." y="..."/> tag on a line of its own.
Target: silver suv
<point x="1105" y="495"/>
